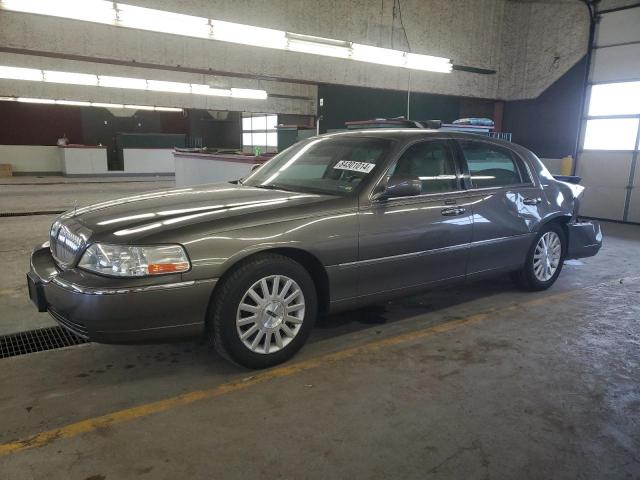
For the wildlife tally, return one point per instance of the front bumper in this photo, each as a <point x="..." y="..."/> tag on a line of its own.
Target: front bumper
<point x="120" y="312"/>
<point x="585" y="239"/>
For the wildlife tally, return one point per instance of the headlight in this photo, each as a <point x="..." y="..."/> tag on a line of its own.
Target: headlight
<point x="133" y="261"/>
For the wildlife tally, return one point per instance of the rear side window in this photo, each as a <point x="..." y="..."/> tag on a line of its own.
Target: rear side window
<point x="432" y="162"/>
<point x="490" y="166"/>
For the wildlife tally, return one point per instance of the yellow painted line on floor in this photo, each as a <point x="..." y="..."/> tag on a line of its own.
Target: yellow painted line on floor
<point x="92" y="424"/>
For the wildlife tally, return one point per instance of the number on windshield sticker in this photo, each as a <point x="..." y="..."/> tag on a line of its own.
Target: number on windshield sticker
<point x="363" y="167"/>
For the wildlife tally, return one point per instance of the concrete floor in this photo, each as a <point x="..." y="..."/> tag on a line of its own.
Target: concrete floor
<point x="475" y="381"/>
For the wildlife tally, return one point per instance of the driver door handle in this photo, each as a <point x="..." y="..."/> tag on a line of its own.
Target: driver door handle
<point x="532" y="201"/>
<point x="453" y="211"/>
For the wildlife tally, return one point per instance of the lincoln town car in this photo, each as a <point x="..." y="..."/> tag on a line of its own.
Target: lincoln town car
<point x="332" y="223"/>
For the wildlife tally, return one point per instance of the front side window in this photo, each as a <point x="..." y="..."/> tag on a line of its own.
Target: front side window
<point x="490" y="166"/>
<point x="331" y="165"/>
<point x="431" y="162"/>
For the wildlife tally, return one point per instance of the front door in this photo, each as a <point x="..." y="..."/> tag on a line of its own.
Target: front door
<point x="412" y="241"/>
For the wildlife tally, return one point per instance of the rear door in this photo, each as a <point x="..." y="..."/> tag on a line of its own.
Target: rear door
<point x="505" y="203"/>
<point x="412" y="241"/>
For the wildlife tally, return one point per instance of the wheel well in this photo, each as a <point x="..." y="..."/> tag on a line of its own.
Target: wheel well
<point x="561" y="220"/>
<point x="307" y="260"/>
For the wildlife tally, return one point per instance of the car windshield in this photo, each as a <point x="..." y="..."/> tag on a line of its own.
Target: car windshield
<point x="328" y="165"/>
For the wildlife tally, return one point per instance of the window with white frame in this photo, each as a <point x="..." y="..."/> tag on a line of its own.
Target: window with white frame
<point x="259" y="131"/>
<point x="614" y="117"/>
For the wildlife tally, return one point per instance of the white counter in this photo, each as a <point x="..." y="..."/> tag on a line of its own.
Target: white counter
<point x="31" y="159"/>
<point x="198" y="168"/>
<point x="148" y="161"/>
<point x="84" y="160"/>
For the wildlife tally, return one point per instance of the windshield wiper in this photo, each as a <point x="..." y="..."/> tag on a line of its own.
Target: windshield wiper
<point x="275" y="187"/>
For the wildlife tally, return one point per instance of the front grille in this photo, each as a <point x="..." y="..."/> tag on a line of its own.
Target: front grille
<point x="64" y="244"/>
<point x="39" y="340"/>
<point x="75" y="327"/>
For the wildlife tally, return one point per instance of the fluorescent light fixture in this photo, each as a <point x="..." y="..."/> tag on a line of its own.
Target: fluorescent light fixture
<point x="70" y="78"/>
<point x="17" y="73"/>
<point x="382" y="56"/>
<point x="207" y="90"/>
<point x="139" y="107"/>
<point x="318" y="45"/>
<point x="248" y="35"/>
<point x="87" y="10"/>
<point x="162" y="21"/>
<point x="248" y="93"/>
<point x="428" y="63"/>
<point x="78" y="103"/>
<point x="73" y="103"/>
<point x="162" y="86"/>
<point x="122" y="82"/>
<point x="35" y="100"/>
<point x="107" y="105"/>
<point x="167" y="109"/>
<point x="130" y="16"/>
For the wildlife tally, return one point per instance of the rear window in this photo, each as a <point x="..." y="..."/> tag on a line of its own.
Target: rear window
<point x="490" y="166"/>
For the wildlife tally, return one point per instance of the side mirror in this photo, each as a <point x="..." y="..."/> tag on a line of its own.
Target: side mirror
<point x="400" y="186"/>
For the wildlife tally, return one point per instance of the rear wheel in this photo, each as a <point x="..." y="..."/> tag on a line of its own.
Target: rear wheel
<point x="544" y="260"/>
<point x="263" y="312"/>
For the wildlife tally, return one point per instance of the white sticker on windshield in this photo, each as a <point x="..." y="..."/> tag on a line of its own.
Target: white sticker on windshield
<point x="363" y="167"/>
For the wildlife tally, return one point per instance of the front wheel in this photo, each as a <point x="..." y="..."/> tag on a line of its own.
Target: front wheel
<point x="544" y="260"/>
<point x="263" y="312"/>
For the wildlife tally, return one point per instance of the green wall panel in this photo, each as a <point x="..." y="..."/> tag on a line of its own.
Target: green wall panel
<point x="342" y="104"/>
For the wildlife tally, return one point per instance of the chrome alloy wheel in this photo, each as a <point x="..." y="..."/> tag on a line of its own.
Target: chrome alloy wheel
<point x="270" y="314"/>
<point x="546" y="257"/>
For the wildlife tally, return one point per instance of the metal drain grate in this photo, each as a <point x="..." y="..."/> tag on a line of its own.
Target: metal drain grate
<point x="30" y="214"/>
<point x="32" y="341"/>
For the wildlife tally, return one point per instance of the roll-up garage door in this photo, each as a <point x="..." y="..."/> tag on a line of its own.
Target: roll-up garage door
<point x="610" y="137"/>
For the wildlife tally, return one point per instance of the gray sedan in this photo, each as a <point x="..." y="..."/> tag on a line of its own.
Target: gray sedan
<point x="335" y="222"/>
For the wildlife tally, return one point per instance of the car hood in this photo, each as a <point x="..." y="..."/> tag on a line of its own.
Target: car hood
<point x="132" y="218"/>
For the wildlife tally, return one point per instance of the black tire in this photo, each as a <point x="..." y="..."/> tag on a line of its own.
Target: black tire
<point x="221" y="324"/>
<point x="526" y="278"/>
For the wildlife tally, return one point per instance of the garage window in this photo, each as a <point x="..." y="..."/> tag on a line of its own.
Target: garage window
<point x="611" y="134"/>
<point x="615" y="99"/>
<point x="607" y="101"/>
<point x="259" y="132"/>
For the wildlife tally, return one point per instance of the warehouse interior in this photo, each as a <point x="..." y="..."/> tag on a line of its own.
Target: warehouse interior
<point x="102" y="100"/>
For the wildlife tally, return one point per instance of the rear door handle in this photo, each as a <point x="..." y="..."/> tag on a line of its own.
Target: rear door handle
<point x="532" y="201"/>
<point x="453" y="211"/>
